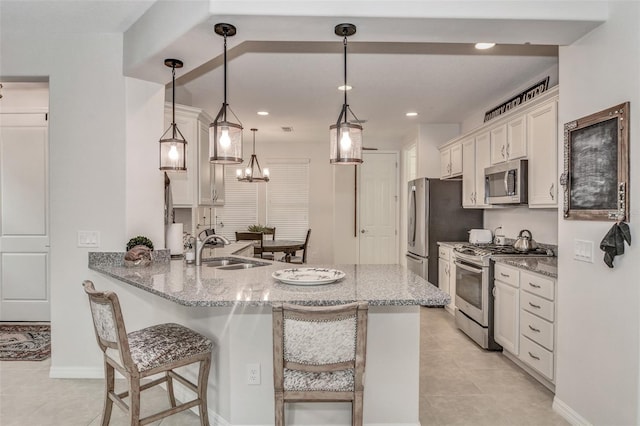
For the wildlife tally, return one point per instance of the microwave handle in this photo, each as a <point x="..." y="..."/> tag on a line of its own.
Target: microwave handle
<point x="506" y="182"/>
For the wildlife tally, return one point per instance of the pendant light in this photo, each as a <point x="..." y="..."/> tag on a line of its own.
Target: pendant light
<point x="173" y="150"/>
<point x="346" y="136"/>
<point x="225" y="137"/>
<point x="249" y="173"/>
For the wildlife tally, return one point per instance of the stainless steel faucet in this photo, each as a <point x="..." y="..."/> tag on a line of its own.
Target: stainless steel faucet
<point x="200" y="245"/>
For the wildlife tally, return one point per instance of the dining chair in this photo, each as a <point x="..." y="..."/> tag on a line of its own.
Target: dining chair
<point x="251" y="236"/>
<point x="272" y="232"/>
<point x="302" y="259"/>
<point x="158" y="349"/>
<point x="319" y="355"/>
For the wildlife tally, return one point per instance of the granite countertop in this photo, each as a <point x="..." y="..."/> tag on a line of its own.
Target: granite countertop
<point x="190" y="285"/>
<point x="541" y="265"/>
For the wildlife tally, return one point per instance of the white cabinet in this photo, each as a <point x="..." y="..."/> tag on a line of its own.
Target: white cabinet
<point x="506" y="308"/>
<point x="508" y="141"/>
<point x="202" y="184"/>
<point x="447" y="275"/>
<point x="475" y="158"/>
<point x="524" y="320"/>
<point x="542" y="125"/>
<point x="451" y="161"/>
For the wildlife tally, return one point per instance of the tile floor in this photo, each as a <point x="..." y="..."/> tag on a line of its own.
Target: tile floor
<point x="460" y="384"/>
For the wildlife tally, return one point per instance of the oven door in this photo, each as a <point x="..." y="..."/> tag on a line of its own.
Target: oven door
<point x="472" y="291"/>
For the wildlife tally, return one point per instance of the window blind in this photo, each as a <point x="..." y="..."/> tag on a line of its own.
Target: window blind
<point x="288" y="198"/>
<point x="240" y="207"/>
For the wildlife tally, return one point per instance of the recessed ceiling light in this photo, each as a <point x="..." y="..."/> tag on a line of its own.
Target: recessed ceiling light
<point x="343" y="87"/>
<point x="263" y="112"/>
<point x="411" y="114"/>
<point x="483" y="46"/>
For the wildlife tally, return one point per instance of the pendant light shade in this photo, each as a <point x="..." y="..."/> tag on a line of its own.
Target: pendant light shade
<point x="225" y="136"/>
<point x="173" y="146"/>
<point x="345" y="135"/>
<point x="252" y="172"/>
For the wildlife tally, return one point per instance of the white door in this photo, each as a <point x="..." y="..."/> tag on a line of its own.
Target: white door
<point x="24" y="226"/>
<point x="378" y="212"/>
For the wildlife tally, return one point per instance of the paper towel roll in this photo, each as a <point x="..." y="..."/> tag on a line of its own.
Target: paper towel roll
<point x="174" y="238"/>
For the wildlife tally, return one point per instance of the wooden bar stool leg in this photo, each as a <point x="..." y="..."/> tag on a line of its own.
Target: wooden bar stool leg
<point x="203" y="380"/>
<point x="134" y="401"/>
<point x="357" y="409"/>
<point x="172" y="398"/>
<point x="108" y="389"/>
<point x="279" y="409"/>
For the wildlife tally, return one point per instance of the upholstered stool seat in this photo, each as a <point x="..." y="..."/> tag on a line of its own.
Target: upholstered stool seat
<point x="319" y="355"/>
<point x="143" y="353"/>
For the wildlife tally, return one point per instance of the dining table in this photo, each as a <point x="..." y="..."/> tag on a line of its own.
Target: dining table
<point x="288" y="247"/>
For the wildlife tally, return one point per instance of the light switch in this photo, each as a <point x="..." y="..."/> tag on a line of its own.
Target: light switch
<point x="88" y="239"/>
<point x="583" y="250"/>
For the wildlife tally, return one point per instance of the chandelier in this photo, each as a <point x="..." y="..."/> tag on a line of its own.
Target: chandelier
<point x="252" y="172"/>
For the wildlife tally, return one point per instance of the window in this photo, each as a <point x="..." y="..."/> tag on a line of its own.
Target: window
<point x="288" y="198"/>
<point x="241" y="205"/>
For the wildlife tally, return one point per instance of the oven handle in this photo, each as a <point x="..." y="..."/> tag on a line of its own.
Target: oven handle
<point x="468" y="268"/>
<point x="415" y="258"/>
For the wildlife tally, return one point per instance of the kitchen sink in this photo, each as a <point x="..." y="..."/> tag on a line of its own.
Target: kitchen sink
<point x="230" y="263"/>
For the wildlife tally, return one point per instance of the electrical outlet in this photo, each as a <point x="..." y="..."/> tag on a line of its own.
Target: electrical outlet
<point x="253" y="374"/>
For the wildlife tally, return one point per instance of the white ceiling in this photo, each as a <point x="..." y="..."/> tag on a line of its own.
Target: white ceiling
<point x="291" y="66"/>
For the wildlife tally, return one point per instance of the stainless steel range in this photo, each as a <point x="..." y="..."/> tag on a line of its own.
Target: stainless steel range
<point x="474" y="288"/>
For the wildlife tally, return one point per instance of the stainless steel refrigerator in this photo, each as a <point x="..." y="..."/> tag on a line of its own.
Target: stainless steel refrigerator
<point x="435" y="214"/>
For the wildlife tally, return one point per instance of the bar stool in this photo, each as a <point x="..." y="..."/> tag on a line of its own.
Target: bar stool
<point x="143" y="353"/>
<point x="319" y="355"/>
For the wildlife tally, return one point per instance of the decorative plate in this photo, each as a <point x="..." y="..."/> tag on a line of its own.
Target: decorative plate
<point x="308" y="276"/>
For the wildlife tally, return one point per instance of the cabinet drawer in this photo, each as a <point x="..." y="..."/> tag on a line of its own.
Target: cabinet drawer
<point x="537" y="284"/>
<point x="443" y="253"/>
<point x="537" y="357"/>
<point x="506" y="274"/>
<point x="537" y="305"/>
<point x="537" y="329"/>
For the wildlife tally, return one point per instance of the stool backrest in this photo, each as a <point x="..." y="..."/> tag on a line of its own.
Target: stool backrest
<point x="108" y="323"/>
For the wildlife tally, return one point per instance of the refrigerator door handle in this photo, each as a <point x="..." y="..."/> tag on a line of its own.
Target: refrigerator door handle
<point x="416" y="258"/>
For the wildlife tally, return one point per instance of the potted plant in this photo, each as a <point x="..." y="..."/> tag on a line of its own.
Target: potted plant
<point x="138" y="251"/>
<point x="256" y="228"/>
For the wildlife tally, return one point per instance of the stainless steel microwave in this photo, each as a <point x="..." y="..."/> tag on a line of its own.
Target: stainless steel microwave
<point x="506" y="183"/>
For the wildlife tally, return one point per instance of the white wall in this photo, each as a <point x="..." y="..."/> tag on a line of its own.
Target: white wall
<point x="543" y="223"/>
<point x="430" y="137"/>
<point x="598" y="307"/>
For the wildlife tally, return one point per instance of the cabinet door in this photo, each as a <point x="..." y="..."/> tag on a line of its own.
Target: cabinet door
<point x="516" y="138"/>
<point x="506" y="317"/>
<point x="499" y="144"/>
<point x="182" y="183"/>
<point x="468" y="173"/>
<point x="452" y="285"/>
<point x="443" y="275"/>
<point x="456" y="160"/>
<point x="205" y="169"/>
<point x="542" y="133"/>
<point x="483" y="160"/>
<point x="445" y="163"/>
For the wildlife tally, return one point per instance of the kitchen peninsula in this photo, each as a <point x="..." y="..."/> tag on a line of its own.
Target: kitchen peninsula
<point x="233" y="307"/>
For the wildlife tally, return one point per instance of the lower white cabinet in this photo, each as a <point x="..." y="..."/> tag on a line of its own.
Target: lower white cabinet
<point x="524" y="319"/>
<point x="506" y="309"/>
<point x="447" y="275"/>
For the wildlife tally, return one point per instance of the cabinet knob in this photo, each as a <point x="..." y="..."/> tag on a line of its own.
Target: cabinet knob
<point x="552" y="192"/>
<point x="502" y="151"/>
<point x="362" y="231"/>
<point x="508" y="149"/>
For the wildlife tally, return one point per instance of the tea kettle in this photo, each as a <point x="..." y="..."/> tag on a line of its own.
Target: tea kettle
<point x="525" y="243"/>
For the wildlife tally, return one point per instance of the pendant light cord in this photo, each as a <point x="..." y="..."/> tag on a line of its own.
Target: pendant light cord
<point x="173" y="99"/>
<point x="224" y="118"/>
<point x="345" y="76"/>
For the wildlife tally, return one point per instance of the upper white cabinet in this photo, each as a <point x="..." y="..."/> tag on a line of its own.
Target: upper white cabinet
<point x="543" y="155"/>
<point x="529" y="131"/>
<point x="202" y="184"/>
<point x="475" y="157"/>
<point x="451" y="161"/>
<point x="508" y="141"/>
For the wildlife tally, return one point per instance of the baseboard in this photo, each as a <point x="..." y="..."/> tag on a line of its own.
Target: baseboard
<point x="568" y="413"/>
<point x="76" y="372"/>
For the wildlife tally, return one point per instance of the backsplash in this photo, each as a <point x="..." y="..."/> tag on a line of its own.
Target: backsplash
<point x="543" y="223"/>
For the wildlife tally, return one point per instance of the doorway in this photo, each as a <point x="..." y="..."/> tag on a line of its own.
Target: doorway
<point x="24" y="206"/>
<point x="378" y="208"/>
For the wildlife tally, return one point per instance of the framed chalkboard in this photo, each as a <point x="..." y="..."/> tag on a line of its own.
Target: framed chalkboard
<point x="596" y="166"/>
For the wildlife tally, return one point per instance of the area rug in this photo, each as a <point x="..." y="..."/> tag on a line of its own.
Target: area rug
<point x="25" y="342"/>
